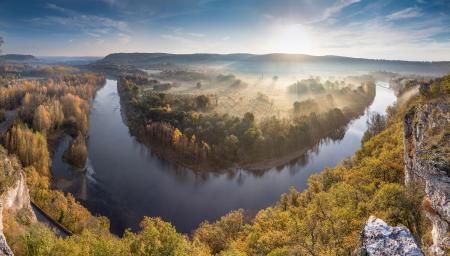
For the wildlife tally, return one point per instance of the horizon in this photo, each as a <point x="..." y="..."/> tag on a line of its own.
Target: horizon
<point x="212" y="53"/>
<point x="391" y="30"/>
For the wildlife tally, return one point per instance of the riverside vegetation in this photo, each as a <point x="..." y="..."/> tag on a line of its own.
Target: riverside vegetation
<point x="44" y="110"/>
<point x="187" y="128"/>
<point x="325" y="219"/>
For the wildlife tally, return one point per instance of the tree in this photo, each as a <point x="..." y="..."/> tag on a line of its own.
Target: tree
<point x="38" y="241"/>
<point x="76" y="154"/>
<point x="30" y="147"/>
<point x="56" y="113"/>
<point x="202" y="101"/>
<point x="42" y="121"/>
<point x="375" y="124"/>
<point x="231" y="146"/>
<point x="75" y="111"/>
<point x="157" y="238"/>
<point x="393" y="204"/>
<point x="218" y="235"/>
<point x="176" y="135"/>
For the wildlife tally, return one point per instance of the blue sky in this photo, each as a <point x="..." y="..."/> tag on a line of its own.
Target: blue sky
<point x="410" y="30"/>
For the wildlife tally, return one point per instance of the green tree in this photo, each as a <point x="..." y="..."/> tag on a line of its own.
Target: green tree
<point x="393" y="204"/>
<point x="231" y="146"/>
<point x="39" y="241"/>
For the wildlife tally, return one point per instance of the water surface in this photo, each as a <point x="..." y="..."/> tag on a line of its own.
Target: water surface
<point x="126" y="182"/>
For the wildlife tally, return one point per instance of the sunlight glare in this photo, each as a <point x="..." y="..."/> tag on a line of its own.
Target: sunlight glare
<point x="292" y="38"/>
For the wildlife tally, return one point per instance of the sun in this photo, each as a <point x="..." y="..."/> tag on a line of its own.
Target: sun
<point x="292" y="38"/>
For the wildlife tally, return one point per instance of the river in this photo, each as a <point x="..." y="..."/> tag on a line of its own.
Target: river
<point x="125" y="182"/>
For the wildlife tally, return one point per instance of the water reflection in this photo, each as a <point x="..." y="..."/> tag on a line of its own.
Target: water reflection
<point x="127" y="182"/>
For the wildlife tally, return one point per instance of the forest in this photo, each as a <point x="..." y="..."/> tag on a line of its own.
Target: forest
<point x="324" y="219"/>
<point x="188" y="129"/>
<point x="41" y="111"/>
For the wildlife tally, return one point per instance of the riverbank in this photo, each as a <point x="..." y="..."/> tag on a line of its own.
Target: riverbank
<point x="157" y="135"/>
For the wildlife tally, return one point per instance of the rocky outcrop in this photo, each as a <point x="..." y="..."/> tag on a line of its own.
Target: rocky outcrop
<point x="15" y="196"/>
<point x="379" y="239"/>
<point x="427" y="153"/>
<point x="4" y="248"/>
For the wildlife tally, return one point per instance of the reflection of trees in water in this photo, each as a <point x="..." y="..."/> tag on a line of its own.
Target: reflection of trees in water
<point x="200" y="177"/>
<point x="338" y="134"/>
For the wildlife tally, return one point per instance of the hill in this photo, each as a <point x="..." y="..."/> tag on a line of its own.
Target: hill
<point x="17" y="58"/>
<point x="244" y="61"/>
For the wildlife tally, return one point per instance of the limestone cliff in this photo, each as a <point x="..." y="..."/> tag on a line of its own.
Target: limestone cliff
<point x="378" y="238"/>
<point x="14" y="194"/>
<point x="427" y="153"/>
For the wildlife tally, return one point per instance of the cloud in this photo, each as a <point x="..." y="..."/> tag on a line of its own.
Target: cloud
<point x="378" y="38"/>
<point x="336" y="8"/>
<point x="179" y="39"/>
<point x="57" y="8"/>
<point x="180" y="32"/>
<point x="407" y="13"/>
<point x="196" y="34"/>
<point x="111" y="2"/>
<point x="92" y="25"/>
<point x="268" y="16"/>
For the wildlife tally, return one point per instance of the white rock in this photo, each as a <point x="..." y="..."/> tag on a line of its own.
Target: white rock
<point x="379" y="239"/>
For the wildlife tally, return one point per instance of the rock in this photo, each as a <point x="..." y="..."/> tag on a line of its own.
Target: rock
<point x="379" y="239"/>
<point x="14" y="198"/>
<point x="4" y="248"/>
<point x="427" y="142"/>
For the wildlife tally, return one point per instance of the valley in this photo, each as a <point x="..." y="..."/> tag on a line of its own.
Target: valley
<point x="143" y="177"/>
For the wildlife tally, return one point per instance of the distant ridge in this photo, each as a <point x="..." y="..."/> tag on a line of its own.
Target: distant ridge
<point x="162" y="60"/>
<point x="17" y="58"/>
<point x="130" y="58"/>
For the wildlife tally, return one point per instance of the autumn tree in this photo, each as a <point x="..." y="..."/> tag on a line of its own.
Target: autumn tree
<point x="220" y="234"/>
<point x="157" y="238"/>
<point x="77" y="153"/>
<point x="30" y="147"/>
<point x="42" y="121"/>
<point x="56" y="113"/>
<point x="176" y="136"/>
<point x="75" y="112"/>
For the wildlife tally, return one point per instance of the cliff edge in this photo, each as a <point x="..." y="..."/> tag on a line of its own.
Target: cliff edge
<point x="427" y="154"/>
<point x="14" y="194"/>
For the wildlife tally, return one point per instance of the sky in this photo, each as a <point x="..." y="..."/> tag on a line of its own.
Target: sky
<point x="388" y="29"/>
